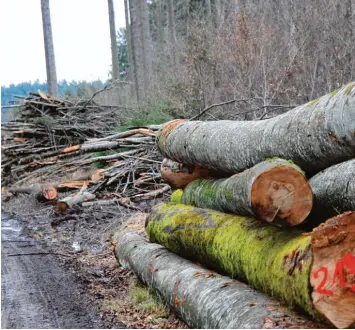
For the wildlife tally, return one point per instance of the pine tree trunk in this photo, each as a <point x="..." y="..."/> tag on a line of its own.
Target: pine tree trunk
<point x="204" y="299"/>
<point x="114" y="54"/>
<point x="49" y="50"/>
<point x="287" y="265"/>
<point x="274" y="191"/>
<point x="128" y="38"/>
<point x="334" y="191"/>
<point x="136" y="44"/>
<point x="314" y="136"/>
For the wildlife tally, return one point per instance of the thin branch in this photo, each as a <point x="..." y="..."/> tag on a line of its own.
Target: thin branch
<point x="217" y="105"/>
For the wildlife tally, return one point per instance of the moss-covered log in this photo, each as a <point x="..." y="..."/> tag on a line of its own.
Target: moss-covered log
<point x="334" y="192"/>
<point x="203" y="298"/>
<point x="315" y="136"/>
<point x="179" y="175"/>
<point x="274" y="190"/>
<point x="313" y="271"/>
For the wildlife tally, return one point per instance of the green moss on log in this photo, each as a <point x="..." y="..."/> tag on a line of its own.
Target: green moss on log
<point x="176" y="196"/>
<point x="270" y="259"/>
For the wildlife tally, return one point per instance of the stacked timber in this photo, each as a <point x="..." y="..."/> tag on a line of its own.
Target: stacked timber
<point x="243" y="186"/>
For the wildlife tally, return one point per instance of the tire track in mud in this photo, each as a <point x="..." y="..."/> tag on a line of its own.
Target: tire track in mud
<point x="35" y="291"/>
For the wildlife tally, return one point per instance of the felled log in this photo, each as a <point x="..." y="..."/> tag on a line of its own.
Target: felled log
<point x="315" y="136"/>
<point x="274" y="191"/>
<point x="68" y="202"/>
<point x="43" y="193"/>
<point x="315" y="271"/>
<point x="334" y="191"/>
<point x="178" y="175"/>
<point x="204" y="299"/>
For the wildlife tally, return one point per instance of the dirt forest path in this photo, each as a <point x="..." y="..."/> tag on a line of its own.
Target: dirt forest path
<point x="35" y="291"/>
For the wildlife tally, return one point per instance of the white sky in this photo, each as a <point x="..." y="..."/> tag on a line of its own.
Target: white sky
<point x="81" y="38"/>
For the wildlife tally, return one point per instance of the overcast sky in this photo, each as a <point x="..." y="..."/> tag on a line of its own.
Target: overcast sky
<point x="81" y="39"/>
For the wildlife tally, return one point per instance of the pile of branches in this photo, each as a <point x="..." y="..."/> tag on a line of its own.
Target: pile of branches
<point x="64" y="119"/>
<point x="79" y="153"/>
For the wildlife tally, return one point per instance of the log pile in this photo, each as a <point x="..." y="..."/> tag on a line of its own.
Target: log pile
<point x="72" y="147"/>
<point x="239" y="199"/>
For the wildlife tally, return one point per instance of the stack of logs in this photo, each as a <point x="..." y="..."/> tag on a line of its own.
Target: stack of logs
<point x="56" y="147"/>
<point x="253" y="203"/>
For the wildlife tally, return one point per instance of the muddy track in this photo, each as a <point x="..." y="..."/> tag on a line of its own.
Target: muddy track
<point x="35" y="291"/>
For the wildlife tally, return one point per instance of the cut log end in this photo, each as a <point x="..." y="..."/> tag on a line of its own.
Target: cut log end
<point x="179" y="175"/>
<point x="61" y="207"/>
<point x="49" y="193"/>
<point x="282" y="194"/>
<point x="333" y="270"/>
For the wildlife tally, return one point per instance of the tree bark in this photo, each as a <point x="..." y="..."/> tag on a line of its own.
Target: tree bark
<point x="49" y="50"/>
<point x="43" y="193"/>
<point x="179" y="175"/>
<point x="334" y="192"/>
<point x="274" y="191"/>
<point x="136" y="44"/>
<point x="314" y="136"/>
<point x="114" y="54"/>
<point x="68" y="202"/>
<point x="146" y="45"/>
<point x="287" y="265"/>
<point x="128" y="38"/>
<point x="204" y="299"/>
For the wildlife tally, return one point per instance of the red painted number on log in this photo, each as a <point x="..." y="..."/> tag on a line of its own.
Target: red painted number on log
<point x="320" y="287"/>
<point x="347" y="262"/>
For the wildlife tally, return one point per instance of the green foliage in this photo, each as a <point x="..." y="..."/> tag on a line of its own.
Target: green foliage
<point x="155" y="114"/>
<point x="145" y="300"/>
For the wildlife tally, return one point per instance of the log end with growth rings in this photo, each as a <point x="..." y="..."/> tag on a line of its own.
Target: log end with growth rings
<point x="333" y="270"/>
<point x="48" y="194"/>
<point x="282" y="194"/>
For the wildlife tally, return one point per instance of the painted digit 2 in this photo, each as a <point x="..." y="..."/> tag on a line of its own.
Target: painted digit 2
<point x="348" y="261"/>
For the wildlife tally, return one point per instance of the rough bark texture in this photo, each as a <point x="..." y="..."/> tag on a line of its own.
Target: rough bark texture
<point x="285" y="264"/>
<point x="203" y="298"/>
<point x="114" y="55"/>
<point x="179" y="175"/>
<point x="315" y="136"/>
<point x="49" y="49"/>
<point x="334" y="191"/>
<point x="136" y="45"/>
<point x="274" y="190"/>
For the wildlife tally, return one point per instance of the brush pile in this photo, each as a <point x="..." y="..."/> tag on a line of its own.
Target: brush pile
<point x="66" y="146"/>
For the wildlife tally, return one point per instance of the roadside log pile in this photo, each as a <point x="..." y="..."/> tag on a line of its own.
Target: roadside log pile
<point x="249" y="190"/>
<point x="59" y="146"/>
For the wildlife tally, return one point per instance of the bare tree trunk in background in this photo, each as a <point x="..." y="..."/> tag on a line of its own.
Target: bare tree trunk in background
<point x="146" y="44"/>
<point x="130" y="71"/>
<point x="172" y="31"/>
<point x="114" y="54"/>
<point x="49" y="49"/>
<point x="136" y="47"/>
